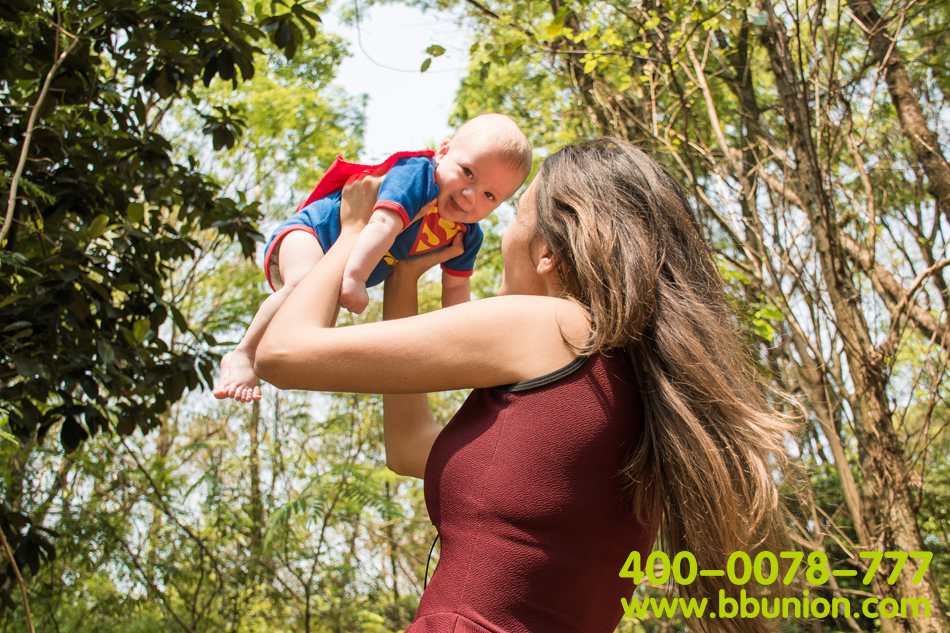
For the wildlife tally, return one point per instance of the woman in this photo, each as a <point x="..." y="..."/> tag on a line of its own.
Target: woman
<point x="610" y="397"/>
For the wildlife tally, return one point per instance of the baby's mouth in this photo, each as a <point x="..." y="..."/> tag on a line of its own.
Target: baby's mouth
<point x="455" y="206"/>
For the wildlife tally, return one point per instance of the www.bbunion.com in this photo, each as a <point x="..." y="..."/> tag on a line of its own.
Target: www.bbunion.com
<point x="747" y="606"/>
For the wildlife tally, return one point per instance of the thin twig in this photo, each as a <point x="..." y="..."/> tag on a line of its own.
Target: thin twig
<point x="25" y="150"/>
<point x="897" y="310"/>
<point x="16" y="570"/>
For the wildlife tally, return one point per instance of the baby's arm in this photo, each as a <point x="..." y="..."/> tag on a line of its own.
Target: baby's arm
<point x="455" y="289"/>
<point x="373" y="242"/>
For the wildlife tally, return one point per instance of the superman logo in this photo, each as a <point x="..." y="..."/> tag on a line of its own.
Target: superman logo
<point x="434" y="232"/>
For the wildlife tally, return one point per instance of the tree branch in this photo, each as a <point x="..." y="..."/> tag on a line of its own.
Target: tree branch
<point x="27" y="137"/>
<point x="19" y="578"/>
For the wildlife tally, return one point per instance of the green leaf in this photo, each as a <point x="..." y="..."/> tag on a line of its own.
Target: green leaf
<point x="98" y="226"/>
<point x="764" y="329"/>
<point x="553" y="30"/>
<point x="140" y="330"/>
<point x="226" y="14"/>
<point x="72" y="434"/>
<point x="10" y="299"/>
<point x="426" y="64"/>
<point x="284" y="34"/>
<point x="435" y="50"/>
<point x="9" y="437"/>
<point x="179" y="319"/>
<point x="302" y="11"/>
<point x="135" y="211"/>
<point x="770" y="312"/>
<point x="25" y="366"/>
<point x="105" y="352"/>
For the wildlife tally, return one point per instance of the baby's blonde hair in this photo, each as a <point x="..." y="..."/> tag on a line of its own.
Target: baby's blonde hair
<point x="509" y="143"/>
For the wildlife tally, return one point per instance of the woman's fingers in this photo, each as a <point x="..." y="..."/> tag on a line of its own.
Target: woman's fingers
<point x="418" y="265"/>
<point x="454" y="249"/>
<point x="380" y="171"/>
<point x="359" y="197"/>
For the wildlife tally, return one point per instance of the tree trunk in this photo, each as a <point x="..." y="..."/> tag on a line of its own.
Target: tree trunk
<point x="162" y="444"/>
<point x="394" y="567"/>
<point x="922" y="140"/>
<point x="815" y="391"/>
<point x="257" y="505"/>
<point x="890" y="514"/>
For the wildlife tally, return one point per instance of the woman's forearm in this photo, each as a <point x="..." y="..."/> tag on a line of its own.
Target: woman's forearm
<point x="409" y="428"/>
<point x="482" y="343"/>
<point x="312" y="304"/>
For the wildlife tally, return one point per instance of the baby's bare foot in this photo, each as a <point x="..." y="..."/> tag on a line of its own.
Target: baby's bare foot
<point x="238" y="379"/>
<point x="221" y="391"/>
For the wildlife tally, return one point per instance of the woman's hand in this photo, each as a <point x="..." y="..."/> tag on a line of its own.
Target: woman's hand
<point x="359" y="197"/>
<point x="400" y="294"/>
<point x="410" y="270"/>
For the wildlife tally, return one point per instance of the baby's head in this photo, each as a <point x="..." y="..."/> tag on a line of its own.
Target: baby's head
<point x="481" y="166"/>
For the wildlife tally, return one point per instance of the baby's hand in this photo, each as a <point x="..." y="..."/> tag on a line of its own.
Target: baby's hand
<point x="353" y="295"/>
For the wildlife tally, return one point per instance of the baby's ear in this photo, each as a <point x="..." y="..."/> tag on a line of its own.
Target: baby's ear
<point x="443" y="150"/>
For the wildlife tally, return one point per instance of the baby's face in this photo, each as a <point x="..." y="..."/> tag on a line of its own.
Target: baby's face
<point x="472" y="180"/>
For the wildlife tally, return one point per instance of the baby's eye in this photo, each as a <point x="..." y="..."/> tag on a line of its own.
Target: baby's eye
<point x="489" y="195"/>
<point x="467" y="172"/>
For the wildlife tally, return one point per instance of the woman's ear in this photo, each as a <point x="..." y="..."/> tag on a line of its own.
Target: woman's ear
<point x="546" y="261"/>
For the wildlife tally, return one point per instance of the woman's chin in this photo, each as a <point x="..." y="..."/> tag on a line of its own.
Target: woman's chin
<point x="502" y="288"/>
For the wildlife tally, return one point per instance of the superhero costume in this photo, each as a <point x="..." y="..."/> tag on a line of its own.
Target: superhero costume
<point x="408" y="188"/>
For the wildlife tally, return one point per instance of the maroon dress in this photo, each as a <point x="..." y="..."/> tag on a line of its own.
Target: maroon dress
<point x="525" y="489"/>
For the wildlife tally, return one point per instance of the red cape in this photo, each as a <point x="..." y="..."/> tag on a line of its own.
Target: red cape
<point x="341" y="170"/>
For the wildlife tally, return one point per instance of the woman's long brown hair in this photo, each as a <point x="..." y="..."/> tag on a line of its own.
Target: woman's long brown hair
<point x="629" y="249"/>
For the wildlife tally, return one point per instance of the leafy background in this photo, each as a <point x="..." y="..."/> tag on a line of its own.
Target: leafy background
<point x="142" y="143"/>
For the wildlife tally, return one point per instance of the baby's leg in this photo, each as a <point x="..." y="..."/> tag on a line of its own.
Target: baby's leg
<point x="298" y="252"/>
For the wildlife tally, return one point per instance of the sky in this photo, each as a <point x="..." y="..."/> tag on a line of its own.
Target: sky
<point x="407" y="109"/>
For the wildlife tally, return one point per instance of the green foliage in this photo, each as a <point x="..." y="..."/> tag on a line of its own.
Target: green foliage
<point x="174" y="128"/>
<point x="694" y="85"/>
<point x="105" y="211"/>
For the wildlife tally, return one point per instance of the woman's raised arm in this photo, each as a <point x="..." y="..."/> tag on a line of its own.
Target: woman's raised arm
<point x="409" y="428"/>
<point x="477" y="344"/>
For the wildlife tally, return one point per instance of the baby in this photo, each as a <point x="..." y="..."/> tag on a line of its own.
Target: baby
<point x="426" y="199"/>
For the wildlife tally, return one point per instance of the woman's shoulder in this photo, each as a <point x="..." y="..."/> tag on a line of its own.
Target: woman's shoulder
<point x="551" y="327"/>
<point x="531" y="311"/>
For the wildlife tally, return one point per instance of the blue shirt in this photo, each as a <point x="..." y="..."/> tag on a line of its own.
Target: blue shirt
<point x="407" y="189"/>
